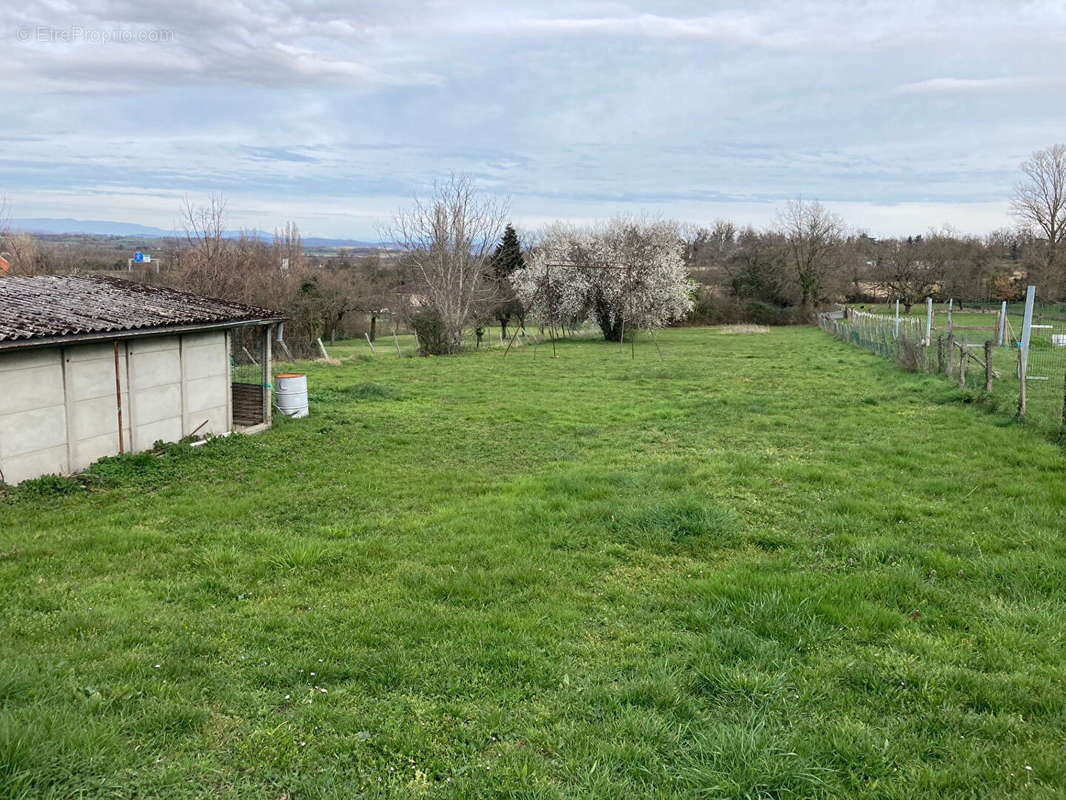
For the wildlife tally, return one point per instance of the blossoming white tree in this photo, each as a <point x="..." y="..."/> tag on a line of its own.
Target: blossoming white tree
<point x="624" y="274"/>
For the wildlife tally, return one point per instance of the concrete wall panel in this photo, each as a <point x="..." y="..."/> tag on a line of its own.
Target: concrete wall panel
<point x="156" y="403"/>
<point x="168" y="430"/>
<point x="58" y="408"/>
<point x="27" y="389"/>
<point x="89" y="450"/>
<point x="154" y="367"/>
<point x="49" y="461"/>
<point x="88" y="378"/>
<point x="206" y="393"/>
<point x="217" y="421"/>
<point x="37" y="429"/>
<point x="28" y="359"/>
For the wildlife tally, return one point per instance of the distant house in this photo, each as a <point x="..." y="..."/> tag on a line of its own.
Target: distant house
<point x="94" y="366"/>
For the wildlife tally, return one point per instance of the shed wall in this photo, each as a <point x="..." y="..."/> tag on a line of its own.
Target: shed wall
<point x="58" y="410"/>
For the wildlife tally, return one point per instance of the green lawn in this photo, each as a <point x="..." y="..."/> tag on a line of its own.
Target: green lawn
<point x="1045" y="394"/>
<point x="766" y="566"/>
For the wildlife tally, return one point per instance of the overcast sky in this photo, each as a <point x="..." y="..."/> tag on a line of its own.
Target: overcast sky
<point x="899" y="115"/>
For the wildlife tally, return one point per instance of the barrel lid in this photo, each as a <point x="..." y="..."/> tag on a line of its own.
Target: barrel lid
<point x="290" y="375"/>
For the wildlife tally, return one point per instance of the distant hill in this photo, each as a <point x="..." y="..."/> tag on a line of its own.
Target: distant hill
<point x="51" y="226"/>
<point x="94" y="227"/>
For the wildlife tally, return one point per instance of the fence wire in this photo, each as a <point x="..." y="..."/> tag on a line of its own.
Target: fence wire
<point x="902" y="339"/>
<point x="968" y="357"/>
<point x="1047" y="355"/>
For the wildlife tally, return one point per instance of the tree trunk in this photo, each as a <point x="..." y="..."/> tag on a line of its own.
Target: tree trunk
<point x="503" y="330"/>
<point x="373" y="327"/>
<point x="907" y="307"/>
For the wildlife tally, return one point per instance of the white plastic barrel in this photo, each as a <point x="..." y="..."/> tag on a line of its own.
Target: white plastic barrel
<point x="290" y="393"/>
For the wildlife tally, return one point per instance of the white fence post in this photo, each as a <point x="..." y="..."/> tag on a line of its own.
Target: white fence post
<point x="951" y="302"/>
<point x="1027" y="326"/>
<point x="1002" y="322"/>
<point x="928" y="321"/>
<point x="896" y="333"/>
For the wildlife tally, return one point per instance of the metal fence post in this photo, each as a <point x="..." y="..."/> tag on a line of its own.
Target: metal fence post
<point x="1023" y="349"/>
<point x="1027" y="327"/>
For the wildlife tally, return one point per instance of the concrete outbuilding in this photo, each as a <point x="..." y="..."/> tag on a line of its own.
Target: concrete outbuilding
<point x="94" y="366"/>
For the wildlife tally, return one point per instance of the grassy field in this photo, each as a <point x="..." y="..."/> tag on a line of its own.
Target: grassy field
<point x="1045" y="395"/>
<point x="767" y="566"/>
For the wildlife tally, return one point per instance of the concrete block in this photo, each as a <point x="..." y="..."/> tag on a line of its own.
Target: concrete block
<point x="95" y="417"/>
<point x="206" y="393"/>
<point x="28" y="359"/>
<point x="85" y="451"/>
<point x="50" y="461"/>
<point x="167" y="430"/>
<point x="88" y="379"/>
<point x="218" y="421"/>
<point x="205" y="360"/>
<point x="94" y="352"/>
<point x="154" y="367"/>
<point x="153" y="344"/>
<point x="26" y="389"/>
<point x="155" y="403"/>
<point x="29" y="431"/>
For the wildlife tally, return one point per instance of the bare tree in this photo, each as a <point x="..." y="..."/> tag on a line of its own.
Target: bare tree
<point x="210" y="264"/>
<point x="288" y="246"/>
<point x="904" y="272"/>
<point x="5" y="227"/>
<point x="1040" y="199"/>
<point x="205" y="226"/>
<point x="22" y="253"/>
<point x="448" y="239"/>
<point x="813" y="236"/>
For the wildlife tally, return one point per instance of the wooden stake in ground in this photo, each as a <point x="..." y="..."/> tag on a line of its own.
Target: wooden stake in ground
<point x="322" y="347"/>
<point x="963" y="352"/>
<point x="988" y="366"/>
<point x="951" y="353"/>
<point x="940" y="354"/>
<point x="372" y="351"/>
<point x="1021" y="384"/>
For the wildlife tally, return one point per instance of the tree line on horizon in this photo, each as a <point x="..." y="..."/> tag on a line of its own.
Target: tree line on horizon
<point x="462" y="265"/>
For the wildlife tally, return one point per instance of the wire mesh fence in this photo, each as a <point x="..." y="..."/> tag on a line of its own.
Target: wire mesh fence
<point x="899" y="338"/>
<point x="248" y="362"/>
<point x="1015" y="364"/>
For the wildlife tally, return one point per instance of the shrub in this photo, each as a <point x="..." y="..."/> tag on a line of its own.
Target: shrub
<point x="44" y="487"/>
<point x="432" y="334"/>
<point x="711" y="310"/>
